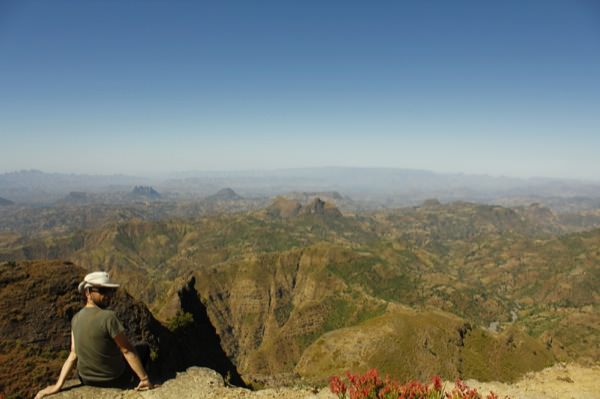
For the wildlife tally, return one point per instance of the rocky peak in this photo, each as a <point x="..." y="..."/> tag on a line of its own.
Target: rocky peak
<point x="283" y="207"/>
<point x="225" y="194"/>
<point x="319" y="207"/>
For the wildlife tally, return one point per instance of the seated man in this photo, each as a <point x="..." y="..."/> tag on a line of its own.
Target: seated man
<point x="98" y="342"/>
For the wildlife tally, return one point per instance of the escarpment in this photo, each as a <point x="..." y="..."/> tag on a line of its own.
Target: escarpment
<point x="297" y="291"/>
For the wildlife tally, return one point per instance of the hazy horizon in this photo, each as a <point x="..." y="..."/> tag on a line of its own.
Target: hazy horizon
<point x="505" y="89"/>
<point x="183" y="174"/>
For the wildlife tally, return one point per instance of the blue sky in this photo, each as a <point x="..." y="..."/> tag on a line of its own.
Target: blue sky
<point x="141" y="87"/>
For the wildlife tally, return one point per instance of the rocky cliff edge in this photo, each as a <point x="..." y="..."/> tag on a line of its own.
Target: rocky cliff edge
<point x="194" y="383"/>
<point x="558" y="382"/>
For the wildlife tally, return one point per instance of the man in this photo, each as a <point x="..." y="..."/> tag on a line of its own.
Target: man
<point x="98" y="342"/>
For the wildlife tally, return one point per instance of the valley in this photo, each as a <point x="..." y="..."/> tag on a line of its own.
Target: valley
<point x="300" y="289"/>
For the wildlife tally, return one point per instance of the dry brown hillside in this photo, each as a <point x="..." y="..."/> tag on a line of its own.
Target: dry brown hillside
<point x="283" y="282"/>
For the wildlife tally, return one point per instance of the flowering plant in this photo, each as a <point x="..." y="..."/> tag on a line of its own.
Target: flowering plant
<point x="371" y="386"/>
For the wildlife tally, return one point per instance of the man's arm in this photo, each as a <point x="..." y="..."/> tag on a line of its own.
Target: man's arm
<point x="64" y="373"/>
<point x="134" y="361"/>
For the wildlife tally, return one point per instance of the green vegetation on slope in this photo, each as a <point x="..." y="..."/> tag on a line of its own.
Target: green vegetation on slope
<point x="275" y="283"/>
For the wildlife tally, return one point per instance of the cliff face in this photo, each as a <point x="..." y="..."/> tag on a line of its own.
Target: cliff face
<point x="189" y="340"/>
<point x="38" y="300"/>
<point x="271" y="309"/>
<point x="268" y="308"/>
<point x="196" y="338"/>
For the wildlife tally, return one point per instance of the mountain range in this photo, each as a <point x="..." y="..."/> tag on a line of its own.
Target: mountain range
<point x="369" y="187"/>
<point x="301" y="289"/>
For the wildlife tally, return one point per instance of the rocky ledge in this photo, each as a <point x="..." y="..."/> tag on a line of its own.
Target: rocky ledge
<point x="194" y="383"/>
<point x="558" y="382"/>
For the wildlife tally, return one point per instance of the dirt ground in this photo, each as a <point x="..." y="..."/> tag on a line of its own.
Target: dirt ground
<point x="561" y="381"/>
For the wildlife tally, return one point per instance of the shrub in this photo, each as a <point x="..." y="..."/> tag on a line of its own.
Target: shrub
<point x="371" y="386"/>
<point x="181" y="321"/>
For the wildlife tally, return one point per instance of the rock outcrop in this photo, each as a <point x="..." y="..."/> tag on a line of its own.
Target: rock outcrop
<point x="287" y="208"/>
<point x="196" y="337"/>
<point x="194" y="383"/>
<point x="284" y="208"/>
<point x="319" y="207"/>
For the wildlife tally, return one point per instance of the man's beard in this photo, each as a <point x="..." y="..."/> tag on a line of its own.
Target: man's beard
<point x="102" y="304"/>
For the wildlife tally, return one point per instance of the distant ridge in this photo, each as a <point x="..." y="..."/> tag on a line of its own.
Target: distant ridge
<point x="34" y="186"/>
<point x="331" y="194"/>
<point x="372" y="187"/>
<point x="145" y="191"/>
<point x="306" y="196"/>
<point x="77" y="197"/>
<point x="431" y="203"/>
<point x="5" y="202"/>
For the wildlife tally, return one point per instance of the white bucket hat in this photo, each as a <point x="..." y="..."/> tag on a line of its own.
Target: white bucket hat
<point x="96" y="279"/>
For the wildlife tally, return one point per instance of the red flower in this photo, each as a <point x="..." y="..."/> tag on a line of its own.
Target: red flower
<point x="337" y="387"/>
<point x="437" y="383"/>
<point x="371" y="386"/>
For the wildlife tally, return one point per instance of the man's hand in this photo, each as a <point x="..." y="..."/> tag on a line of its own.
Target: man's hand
<point x="50" y="390"/>
<point x="144" y="384"/>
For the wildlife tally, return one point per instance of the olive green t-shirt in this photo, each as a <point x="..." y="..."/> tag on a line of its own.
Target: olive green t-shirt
<point x="98" y="356"/>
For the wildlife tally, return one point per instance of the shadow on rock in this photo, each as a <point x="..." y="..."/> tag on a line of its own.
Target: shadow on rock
<point x="189" y="340"/>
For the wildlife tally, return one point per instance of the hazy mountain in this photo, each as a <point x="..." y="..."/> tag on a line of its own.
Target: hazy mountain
<point x="5" y="202"/>
<point x="225" y="194"/>
<point x="145" y="192"/>
<point x="34" y="186"/>
<point x="403" y="185"/>
<point x="77" y="197"/>
<point x="370" y="187"/>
